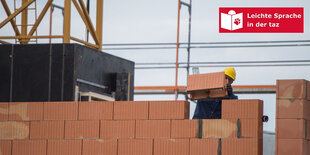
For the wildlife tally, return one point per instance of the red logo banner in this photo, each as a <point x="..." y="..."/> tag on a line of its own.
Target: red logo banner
<point x="261" y="20"/>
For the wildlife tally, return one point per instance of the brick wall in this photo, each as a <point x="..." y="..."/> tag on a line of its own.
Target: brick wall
<point x="293" y="117"/>
<point x="128" y="128"/>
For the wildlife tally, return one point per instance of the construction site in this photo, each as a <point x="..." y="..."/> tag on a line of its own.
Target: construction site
<point x="178" y="77"/>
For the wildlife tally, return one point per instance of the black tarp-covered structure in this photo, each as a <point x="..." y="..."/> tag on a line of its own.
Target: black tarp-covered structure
<point x="51" y="72"/>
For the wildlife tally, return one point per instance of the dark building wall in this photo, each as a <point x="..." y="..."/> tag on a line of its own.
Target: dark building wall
<point x="50" y="72"/>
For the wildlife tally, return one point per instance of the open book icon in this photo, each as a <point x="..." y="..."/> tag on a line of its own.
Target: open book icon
<point x="231" y="21"/>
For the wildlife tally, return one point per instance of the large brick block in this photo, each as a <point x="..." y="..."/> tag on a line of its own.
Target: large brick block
<point x="117" y="129"/>
<point x="219" y="128"/>
<point x="201" y="86"/>
<point x="214" y="93"/>
<point x="5" y="147"/>
<point x="29" y="147"/>
<point x="287" y="89"/>
<point x="131" y="110"/>
<point x="26" y="111"/>
<point x="135" y="147"/>
<point x="14" y="130"/>
<point x="99" y="147"/>
<point x="243" y="146"/>
<point x="204" y="146"/>
<point x="184" y="128"/>
<point x="153" y="129"/>
<point x="4" y="111"/>
<point x="60" y="110"/>
<point x="291" y="128"/>
<point x="206" y="81"/>
<point x="64" y="147"/>
<point x="293" y="108"/>
<point x="47" y="129"/>
<point x="171" y="146"/>
<point x="95" y="110"/>
<point x="81" y="129"/>
<point x="292" y="147"/>
<point x="242" y="109"/>
<point x="251" y="128"/>
<point x="169" y="110"/>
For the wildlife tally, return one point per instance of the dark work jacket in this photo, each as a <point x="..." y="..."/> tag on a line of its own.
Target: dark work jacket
<point x="210" y="108"/>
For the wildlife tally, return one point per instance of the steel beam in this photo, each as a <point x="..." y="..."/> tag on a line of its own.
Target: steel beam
<point x="86" y="19"/>
<point x="38" y="21"/>
<point x="24" y="22"/>
<point x="22" y="8"/>
<point x="27" y="37"/>
<point x="8" y="12"/>
<point x="4" y="42"/>
<point x="67" y="21"/>
<point x="99" y="21"/>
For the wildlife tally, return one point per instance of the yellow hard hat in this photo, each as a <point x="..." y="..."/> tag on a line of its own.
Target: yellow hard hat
<point x="230" y="71"/>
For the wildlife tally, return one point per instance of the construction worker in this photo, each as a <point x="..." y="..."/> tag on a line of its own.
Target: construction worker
<point x="212" y="108"/>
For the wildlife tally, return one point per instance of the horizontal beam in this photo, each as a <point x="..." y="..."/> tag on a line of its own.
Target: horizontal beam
<point x="84" y="42"/>
<point x="238" y="89"/>
<point x="27" y="37"/>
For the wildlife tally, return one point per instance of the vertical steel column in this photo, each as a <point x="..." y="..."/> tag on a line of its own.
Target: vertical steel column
<point x="24" y="22"/>
<point x="189" y="41"/>
<point x="177" y="53"/>
<point x="99" y="21"/>
<point x="51" y="20"/>
<point x="67" y="21"/>
<point x="189" y="36"/>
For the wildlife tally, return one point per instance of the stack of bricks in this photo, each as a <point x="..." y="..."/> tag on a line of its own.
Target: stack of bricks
<point x="293" y="117"/>
<point x="128" y="128"/>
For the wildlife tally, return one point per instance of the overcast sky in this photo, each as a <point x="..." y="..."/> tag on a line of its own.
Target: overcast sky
<point x="146" y="21"/>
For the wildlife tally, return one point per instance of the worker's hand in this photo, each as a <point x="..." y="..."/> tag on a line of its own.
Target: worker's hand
<point x="229" y="90"/>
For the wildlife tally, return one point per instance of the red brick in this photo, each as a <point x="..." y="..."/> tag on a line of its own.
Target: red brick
<point x="198" y="95"/>
<point x="14" y="130"/>
<point x="287" y="89"/>
<point x="5" y="147"/>
<point x="60" y="110"/>
<point x="29" y="147"/>
<point x="153" y="129"/>
<point x="251" y="128"/>
<point x="219" y="128"/>
<point x="206" y="81"/>
<point x="169" y="110"/>
<point x="64" y="147"/>
<point x="242" y="109"/>
<point x="95" y="110"/>
<point x="117" y="129"/>
<point x="128" y="110"/>
<point x="184" y="128"/>
<point x="292" y="147"/>
<point x="242" y="146"/>
<point x="204" y="146"/>
<point x="26" y="111"/>
<point x="99" y="147"/>
<point x="135" y="147"/>
<point x="171" y="146"/>
<point x="4" y="111"/>
<point x="293" y="108"/>
<point x="81" y="129"/>
<point x="47" y="129"/>
<point x="291" y="128"/>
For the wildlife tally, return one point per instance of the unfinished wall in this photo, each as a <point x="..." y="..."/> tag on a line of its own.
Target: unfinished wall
<point x="128" y="128"/>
